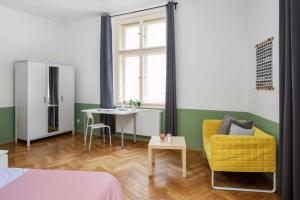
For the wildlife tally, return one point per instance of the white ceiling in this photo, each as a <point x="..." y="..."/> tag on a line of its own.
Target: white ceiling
<point x="70" y="10"/>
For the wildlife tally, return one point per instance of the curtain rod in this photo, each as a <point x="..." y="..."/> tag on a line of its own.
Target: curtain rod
<point x="136" y="11"/>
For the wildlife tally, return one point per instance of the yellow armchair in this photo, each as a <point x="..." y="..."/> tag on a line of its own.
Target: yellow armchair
<point x="231" y="153"/>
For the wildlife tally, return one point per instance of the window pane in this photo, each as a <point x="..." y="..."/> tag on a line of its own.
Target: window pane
<point x="155" y="33"/>
<point x="131" y="78"/>
<point x="155" y="79"/>
<point x="131" y="37"/>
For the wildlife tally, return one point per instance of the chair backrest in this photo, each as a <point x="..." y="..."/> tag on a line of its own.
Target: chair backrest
<point x="89" y="117"/>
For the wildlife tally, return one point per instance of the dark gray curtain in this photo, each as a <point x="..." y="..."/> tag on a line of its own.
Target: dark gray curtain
<point x="106" y="71"/>
<point x="289" y="53"/>
<point x="170" y="109"/>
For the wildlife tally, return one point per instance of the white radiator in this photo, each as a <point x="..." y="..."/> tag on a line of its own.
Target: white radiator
<point x="147" y="123"/>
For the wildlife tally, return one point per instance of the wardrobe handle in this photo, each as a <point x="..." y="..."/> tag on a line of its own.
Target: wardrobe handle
<point x="45" y="100"/>
<point x="61" y="98"/>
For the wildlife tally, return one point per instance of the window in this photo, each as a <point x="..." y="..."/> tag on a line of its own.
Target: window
<point x="141" y="63"/>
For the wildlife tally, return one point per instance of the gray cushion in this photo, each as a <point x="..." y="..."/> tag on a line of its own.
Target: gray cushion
<point x="225" y="125"/>
<point x="243" y="124"/>
<point x="236" y="130"/>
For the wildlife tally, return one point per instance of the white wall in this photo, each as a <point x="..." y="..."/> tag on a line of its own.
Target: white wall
<point x="214" y="45"/>
<point x="263" y="23"/>
<point x="82" y="49"/>
<point x="24" y="36"/>
<point x="211" y="49"/>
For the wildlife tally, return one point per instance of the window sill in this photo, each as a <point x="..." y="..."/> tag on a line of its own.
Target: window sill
<point x="155" y="107"/>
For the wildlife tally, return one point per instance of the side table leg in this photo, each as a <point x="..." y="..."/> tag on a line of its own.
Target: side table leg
<point x="153" y="156"/>
<point x="150" y="160"/>
<point x="184" y="162"/>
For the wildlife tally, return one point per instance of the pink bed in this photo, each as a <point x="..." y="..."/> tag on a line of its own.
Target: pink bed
<point x="21" y="184"/>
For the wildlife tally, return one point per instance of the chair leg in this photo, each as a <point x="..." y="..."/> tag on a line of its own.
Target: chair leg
<point x="91" y="138"/>
<point x="109" y="136"/>
<point x="243" y="189"/>
<point x="85" y="134"/>
<point x="103" y="132"/>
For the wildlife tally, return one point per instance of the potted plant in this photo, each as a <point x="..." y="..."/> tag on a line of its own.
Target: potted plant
<point x="134" y="103"/>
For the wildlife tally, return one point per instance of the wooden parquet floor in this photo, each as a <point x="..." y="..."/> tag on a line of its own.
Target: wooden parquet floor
<point x="129" y="166"/>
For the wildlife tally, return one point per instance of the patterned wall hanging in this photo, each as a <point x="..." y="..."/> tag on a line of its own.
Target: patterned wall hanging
<point x="264" y="71"/>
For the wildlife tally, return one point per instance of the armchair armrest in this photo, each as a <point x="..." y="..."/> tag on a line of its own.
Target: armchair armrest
<point x="243" y="153"/>
<point x="210" y="127"/>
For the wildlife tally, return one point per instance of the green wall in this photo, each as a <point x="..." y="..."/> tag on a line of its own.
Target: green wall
<point x="7" y="128"/>
<point x="189" y="123"/>
<point x="78" y="114"/>
<point x="265" y="124"/>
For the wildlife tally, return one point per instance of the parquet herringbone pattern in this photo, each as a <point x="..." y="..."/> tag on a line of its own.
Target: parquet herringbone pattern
<point x="129" y="165"/>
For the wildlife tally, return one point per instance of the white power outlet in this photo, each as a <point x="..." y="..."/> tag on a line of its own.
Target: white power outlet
<point x="78" y="121"/>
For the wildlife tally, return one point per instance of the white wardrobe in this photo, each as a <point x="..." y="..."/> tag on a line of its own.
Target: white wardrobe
<point x="44" y="99"/>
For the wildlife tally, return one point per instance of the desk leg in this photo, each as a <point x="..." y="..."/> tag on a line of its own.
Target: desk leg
<point x="122" y="131"/>
<point x="150" y="161"/>
<point x="53" y="120"/>
<point x="183" y="156"/>
<point x="134" y="121"/>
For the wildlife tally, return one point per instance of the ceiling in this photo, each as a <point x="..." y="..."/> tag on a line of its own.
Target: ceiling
<point x="70" y="10"/>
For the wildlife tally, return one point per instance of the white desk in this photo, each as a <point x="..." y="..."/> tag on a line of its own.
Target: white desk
<point x="122" y="113"/>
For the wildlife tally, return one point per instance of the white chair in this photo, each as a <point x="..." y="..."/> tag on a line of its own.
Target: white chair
<point x="92" y="126"/>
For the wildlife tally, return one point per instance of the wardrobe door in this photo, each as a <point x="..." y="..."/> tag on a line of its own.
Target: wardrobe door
<point x="66" y="99"/>
<point x="37" y="100"/>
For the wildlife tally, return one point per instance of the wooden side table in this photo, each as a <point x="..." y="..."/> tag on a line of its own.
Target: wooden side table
<point x="178" y="143"/>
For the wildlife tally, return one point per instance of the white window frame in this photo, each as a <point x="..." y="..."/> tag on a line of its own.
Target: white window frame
<point x="119" y="53"/>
